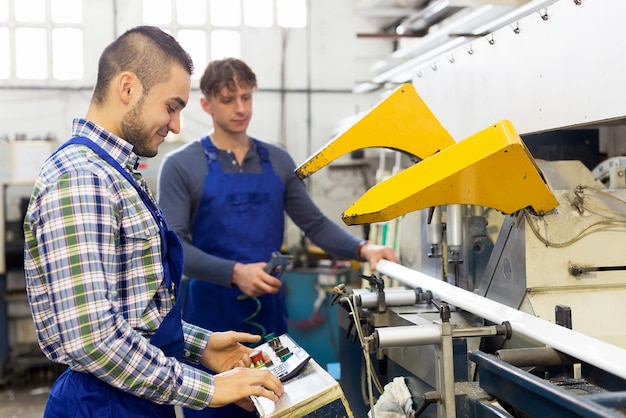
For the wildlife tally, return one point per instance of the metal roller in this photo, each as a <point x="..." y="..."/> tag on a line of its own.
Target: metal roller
<point x="405" y="297"/>
<point x="407" y="336"/>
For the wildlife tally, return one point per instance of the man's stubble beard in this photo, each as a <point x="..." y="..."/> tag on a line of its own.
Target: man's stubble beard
<point x="133" y="129"/>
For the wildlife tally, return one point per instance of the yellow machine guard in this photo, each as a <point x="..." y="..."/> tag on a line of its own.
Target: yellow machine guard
<point x="402" y="121"/>
<point x="492" y="168"/>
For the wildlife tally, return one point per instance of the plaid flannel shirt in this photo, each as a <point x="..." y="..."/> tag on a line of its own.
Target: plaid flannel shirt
<point x="94" y="275"/>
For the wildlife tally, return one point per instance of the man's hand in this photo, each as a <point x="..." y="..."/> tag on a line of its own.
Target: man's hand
<point x="224" y="350"/>
<point x="373" y="253"/>
<point x="253" y="281"/>
<point x="239" y="384"/>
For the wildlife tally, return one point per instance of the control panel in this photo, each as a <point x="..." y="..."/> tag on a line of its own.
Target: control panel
<point x="286" y="357"/>
<point x="309" y="389"/>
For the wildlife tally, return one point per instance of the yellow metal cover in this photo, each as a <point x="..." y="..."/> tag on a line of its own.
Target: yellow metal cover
<point x="492" y="168"/>
<point x="402" y="121"/>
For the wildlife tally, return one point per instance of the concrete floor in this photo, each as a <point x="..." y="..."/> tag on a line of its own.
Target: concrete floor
<point x="23" y="402"/>
<point x="30" y="402"/>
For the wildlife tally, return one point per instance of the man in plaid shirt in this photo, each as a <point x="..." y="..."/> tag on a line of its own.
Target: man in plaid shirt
<point x="102" y="268"/>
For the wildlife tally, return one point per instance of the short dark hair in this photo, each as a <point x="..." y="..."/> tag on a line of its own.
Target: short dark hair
<point x="147" y="51"/>
<point x="227" y="72"/>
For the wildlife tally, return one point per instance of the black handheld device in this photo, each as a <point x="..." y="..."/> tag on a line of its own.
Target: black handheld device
<point x="276" y="265"/>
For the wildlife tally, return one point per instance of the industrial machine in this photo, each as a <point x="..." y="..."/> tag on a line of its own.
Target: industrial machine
<point x="509" y="293"/>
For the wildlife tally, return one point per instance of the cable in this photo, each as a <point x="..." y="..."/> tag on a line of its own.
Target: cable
<point x="583" y="205"/>
<point x="341" y="295"/>
<point x="249" y="319"/>
<point x="365" y="350"/>
<point x="595" y="227"/>
<point x="605" y="209"/>
<point x="359" y="330"/>
<point x="366" y="353"/>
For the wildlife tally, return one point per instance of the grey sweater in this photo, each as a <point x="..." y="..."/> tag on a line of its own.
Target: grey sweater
<point x="179" y="191"/>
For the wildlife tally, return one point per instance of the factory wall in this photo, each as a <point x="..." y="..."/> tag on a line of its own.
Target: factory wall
<point x="561" y="67"/>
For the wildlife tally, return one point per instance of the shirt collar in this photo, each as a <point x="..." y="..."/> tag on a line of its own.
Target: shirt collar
<point x="119" y="149"/>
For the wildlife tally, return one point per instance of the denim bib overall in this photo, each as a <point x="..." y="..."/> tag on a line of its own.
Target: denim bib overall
<point x="241" y="218"/>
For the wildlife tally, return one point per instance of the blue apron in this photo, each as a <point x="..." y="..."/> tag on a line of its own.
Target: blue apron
<point x="240" y="218"/>
<point x="77" y="394"/>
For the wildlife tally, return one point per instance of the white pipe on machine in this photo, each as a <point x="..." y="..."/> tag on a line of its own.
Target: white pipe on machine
<point x="603" y="355"/>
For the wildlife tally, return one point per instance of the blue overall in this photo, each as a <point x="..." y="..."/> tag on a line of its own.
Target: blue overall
<point x="77" y="394"/>
<point x="240" y="218"/>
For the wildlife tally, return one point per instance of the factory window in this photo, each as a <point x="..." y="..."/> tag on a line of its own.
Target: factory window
<point x="194" y="42"/>
<point x="225" y="43"/>
<point x="291" y="13"/>
<point x="41" y="39"/>
<point x="157" y="12"/>
<point x="30" y="10"/>
<point x="66" y="44"/>
<point x="31" y="53"/>
<point x="225" y="13"/>
<point x="258" y="13"/>
<point x="191" y="12"/>
<point x="66" y="11"/>
<point x="212" y="29"/>
<point x="5" y="70"/>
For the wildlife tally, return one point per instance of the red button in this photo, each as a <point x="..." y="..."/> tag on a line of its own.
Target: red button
<point x="257" y="358"/>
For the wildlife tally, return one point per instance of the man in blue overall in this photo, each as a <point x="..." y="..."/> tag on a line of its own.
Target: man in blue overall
<point x="226" y="196"/>
<point x="102" y="267"/>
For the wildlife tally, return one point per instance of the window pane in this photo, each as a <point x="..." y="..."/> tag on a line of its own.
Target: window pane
<point x="191" y="12"/>
<point x="30" y="10"/>
<point x="66" y="11"/>
<point x="291" y="13"/>
<point x="157" y="11"/>
<point x="31" y="57"/>
<point x="259" y="13"/>
<point x="225" y="43"/>
<point x="5" y="69"/>
<point x="225" y="12"/>
<point x="67" y="54"/>
<point x="4" y="10"/>
<point x="194" y="42"/>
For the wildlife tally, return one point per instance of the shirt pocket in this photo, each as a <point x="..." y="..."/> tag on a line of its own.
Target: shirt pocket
<point x="141" y="258"/>
<point x="138" y="225"/>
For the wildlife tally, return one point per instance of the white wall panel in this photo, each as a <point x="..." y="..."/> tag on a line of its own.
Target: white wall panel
<point x="566" y="71"/>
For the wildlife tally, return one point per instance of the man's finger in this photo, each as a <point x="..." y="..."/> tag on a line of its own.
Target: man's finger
<point x="245" y="337"/>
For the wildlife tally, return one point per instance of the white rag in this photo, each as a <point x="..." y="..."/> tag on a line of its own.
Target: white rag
<point x="395" y="402"/>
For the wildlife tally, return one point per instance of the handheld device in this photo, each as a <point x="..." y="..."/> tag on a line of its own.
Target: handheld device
<point x="276" y="265"/>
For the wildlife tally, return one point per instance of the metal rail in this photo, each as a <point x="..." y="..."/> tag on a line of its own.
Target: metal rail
<point x="603" y="355"/>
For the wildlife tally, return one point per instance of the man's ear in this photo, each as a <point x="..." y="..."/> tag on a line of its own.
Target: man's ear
<point x="206" y="105"/>
<point x="127" y="86"/>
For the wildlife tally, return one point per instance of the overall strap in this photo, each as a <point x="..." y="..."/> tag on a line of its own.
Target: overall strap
<point x="264" y="154"/>
<point x="210" y="150"/>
